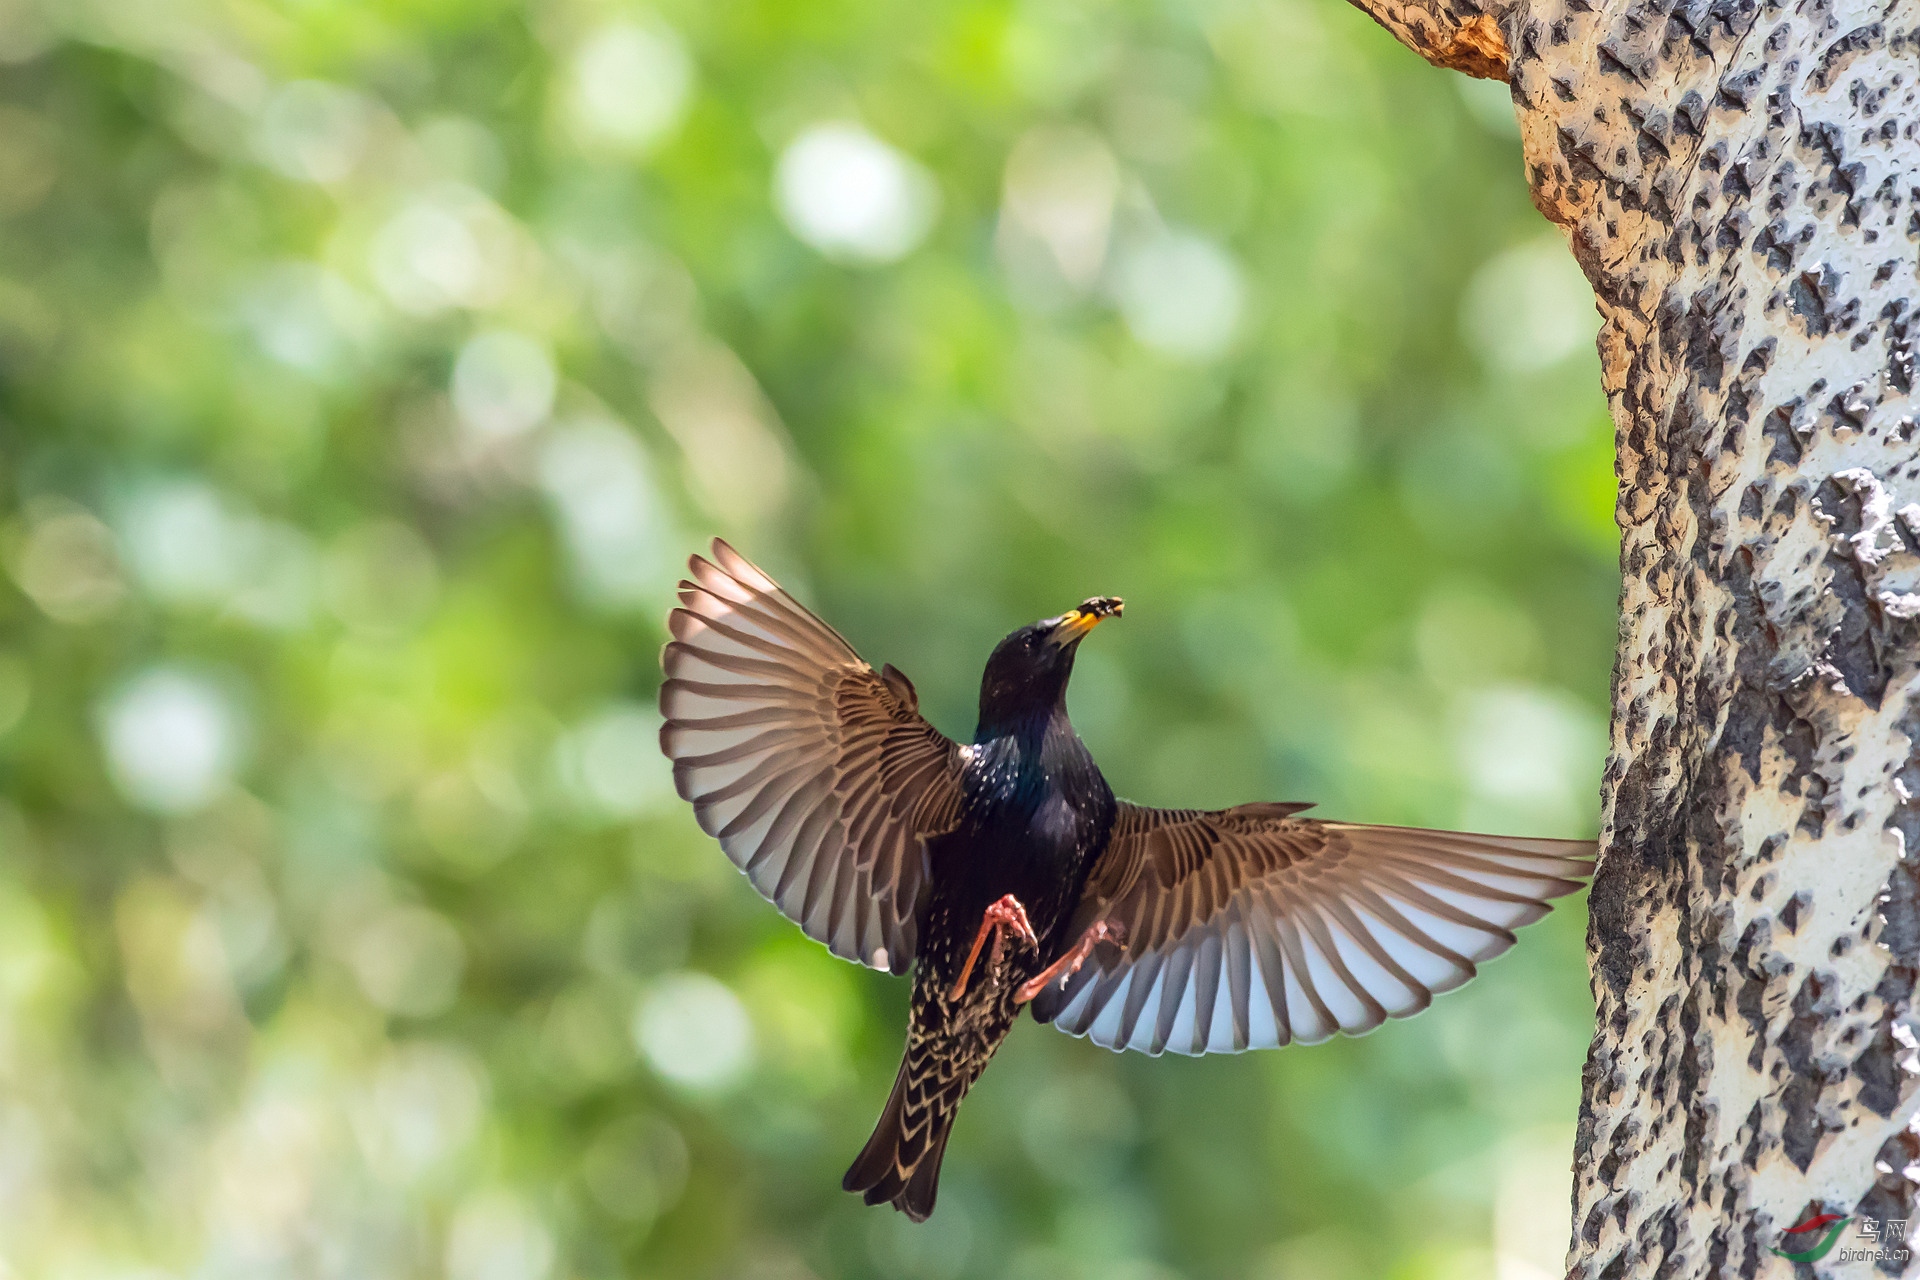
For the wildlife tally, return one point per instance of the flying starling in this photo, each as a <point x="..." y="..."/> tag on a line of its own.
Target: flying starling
<point x="1005" y="872"/>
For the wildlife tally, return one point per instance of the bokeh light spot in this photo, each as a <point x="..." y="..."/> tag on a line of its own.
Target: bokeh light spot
<point x="496" y="1235"/>
<point x="313" y="131"/>
<point x="1529" y="307"/>
<point x="615" y="524"/>
<point x="173" y="739"/>
<point x="503" y="384"/>
<point x="1181" y="295"/>
<point x="68" y="565"/>
<point x="408" y="961"/>
<point x="422" y="1107"/>
<point x="308" y="318"/>
<point x="629" y="86"/>
<point x="613" y="765"/>
<point x="1056" y="210"/>
<point x="425" y="259"/>
<point x="852" y="197"/>
<point x="636" y="1167"/>
<point x="1530" y="755"/>
<point x="694" y="1031"/>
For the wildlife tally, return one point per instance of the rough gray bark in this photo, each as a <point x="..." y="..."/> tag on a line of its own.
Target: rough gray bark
<point x="1740" y="180"/>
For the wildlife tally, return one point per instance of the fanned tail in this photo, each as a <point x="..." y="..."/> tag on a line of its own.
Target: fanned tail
<point x="901" y="1162"/>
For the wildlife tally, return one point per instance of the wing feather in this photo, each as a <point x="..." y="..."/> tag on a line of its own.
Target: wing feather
<point x="816" y="774"/>
<point x="1251" y="927"/>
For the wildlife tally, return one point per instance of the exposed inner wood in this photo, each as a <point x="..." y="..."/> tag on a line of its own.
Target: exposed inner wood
<point x="1476" y="47"/>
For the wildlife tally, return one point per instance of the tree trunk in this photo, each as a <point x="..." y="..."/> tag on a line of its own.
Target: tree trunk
<point x="1740" y="182"/>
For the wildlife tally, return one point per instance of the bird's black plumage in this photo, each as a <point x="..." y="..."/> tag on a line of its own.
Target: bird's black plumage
<point x="1034" y="811"/>
<point x="1006" y="872"/>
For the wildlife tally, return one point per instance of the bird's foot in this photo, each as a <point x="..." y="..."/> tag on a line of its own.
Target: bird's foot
<point x="1069" y="964"/>
<point x="1005" y="915"/>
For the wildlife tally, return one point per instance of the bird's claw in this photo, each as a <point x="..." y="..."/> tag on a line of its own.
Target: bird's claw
<point x="1069" y="964"/>
<point x="1009" y="914"/>
<point x="1003" y="916"/>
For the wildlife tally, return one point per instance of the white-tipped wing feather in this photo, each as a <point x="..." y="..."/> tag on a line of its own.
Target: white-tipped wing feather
<point x="1249" y="928"/>
<point x="815" y="773"/>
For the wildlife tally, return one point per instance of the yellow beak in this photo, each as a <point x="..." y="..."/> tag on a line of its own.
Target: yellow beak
<point x="1075" y="623"/>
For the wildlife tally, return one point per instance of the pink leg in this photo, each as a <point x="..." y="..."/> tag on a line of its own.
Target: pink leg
<point x="1005" y="914"/>
<point x="1069" y="964"/>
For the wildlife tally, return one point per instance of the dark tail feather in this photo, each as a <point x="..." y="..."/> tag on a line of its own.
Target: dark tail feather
<point x="901" y="1161"/>
<point x="917" y="1200"/>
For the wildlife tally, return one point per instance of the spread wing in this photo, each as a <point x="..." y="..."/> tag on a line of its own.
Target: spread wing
<point x="815" y="772"/>
<point x="1249" y="928"/>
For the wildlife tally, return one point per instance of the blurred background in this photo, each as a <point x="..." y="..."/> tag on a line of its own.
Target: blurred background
<point x="367" y="372"/>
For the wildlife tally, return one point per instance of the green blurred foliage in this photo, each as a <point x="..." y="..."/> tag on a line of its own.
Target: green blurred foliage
<point x="367" y="371"/>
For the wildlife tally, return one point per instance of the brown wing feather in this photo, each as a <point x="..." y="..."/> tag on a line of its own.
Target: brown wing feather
<point x="815" y="772"/>
<point x="1250" y="927"/>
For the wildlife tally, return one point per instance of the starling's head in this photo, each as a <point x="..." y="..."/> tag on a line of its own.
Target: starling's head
<point x="1026" y="677"/>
